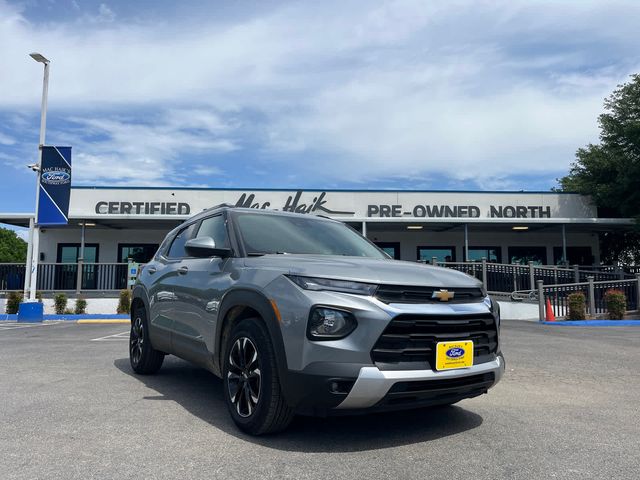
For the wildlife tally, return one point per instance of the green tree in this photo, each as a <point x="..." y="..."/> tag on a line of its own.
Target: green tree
<point x="12" y="248"/>
<point x="610" y="171"/>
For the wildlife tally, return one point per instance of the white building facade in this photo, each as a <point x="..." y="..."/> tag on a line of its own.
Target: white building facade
<point x="117" y="223"/>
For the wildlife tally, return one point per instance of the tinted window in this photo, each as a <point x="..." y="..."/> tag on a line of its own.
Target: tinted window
<point x="492" y="254"/>
<point x="303" y="235"/>
<point x="390" y="248"/>
<point x="177" y="247"/>
<point x="575" y="256"/>
<point x="139" y="253"/>
<point x="524" y="255"/>
<point x="442" y="254"/>
<point x="215" y="228"/>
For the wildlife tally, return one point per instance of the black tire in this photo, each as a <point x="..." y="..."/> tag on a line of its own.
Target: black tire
<point x="144" y="359"/>
<point x="254" y="398"/>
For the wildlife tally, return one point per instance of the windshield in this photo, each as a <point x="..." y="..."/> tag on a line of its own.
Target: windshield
<point x="262" y="234"/>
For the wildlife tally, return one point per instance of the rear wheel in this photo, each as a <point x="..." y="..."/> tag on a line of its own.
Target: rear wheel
<point x="251" y="382"/>
<point x="143" y="357"/>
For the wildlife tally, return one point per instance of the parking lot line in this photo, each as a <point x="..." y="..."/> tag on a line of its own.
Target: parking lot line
<point x="116" y="336"/>
<point x="16" y="325"/>
<point x="103" y="321"/>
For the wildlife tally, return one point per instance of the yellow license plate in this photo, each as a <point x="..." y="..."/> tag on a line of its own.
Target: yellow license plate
<point x="454" y="355"/>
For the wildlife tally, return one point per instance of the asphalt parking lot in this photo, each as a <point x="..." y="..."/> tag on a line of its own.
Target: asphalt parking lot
<point x="70" y="407"/>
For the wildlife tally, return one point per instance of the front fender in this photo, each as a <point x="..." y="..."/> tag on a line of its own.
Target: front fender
<point x="256" y="300"/>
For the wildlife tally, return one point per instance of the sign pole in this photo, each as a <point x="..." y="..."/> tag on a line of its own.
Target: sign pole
<point x="35" y="236"/>
<point x="27" y="270"/>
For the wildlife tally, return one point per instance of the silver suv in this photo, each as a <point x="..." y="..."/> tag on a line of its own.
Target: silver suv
<point x="302" y="315"/>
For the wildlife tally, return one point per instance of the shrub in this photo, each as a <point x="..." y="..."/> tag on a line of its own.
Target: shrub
<point x="14" y="299"/>
<point x="60" y="303"/>
<point x="39" y="296"/>
<point x="616" y="304"/>
<point x="81" y="306"/>
<point x="124" y="303"/>
<point x="577" y="304"/>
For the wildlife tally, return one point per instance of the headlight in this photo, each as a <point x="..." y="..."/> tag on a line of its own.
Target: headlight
<point x="494" y="307"/>
<point x="330" y="324"/>
<point x="345" y="286"/>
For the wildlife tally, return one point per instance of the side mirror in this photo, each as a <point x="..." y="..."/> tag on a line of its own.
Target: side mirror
<point x="205" y="247"/>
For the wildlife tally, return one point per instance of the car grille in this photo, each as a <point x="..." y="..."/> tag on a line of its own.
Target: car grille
<point x="437" y="391"/>
<point x="410" y="294"/>
<point x="413" y="338"/>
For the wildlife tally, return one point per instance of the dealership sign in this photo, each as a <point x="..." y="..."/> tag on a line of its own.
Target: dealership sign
<point x="55" y="186"/>
<point x="89" y="202"/>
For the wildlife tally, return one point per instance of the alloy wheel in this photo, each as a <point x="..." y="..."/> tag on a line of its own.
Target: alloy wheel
<point x="136" y="341"/>
<point x="244" y="377"/>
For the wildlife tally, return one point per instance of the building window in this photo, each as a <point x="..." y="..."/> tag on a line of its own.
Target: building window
<point x="492" y="254"/>
<point x="575" y="256"/>
<point x="137" y="252"/>
<point x="70" y="252"/>
<point x="390" y="248"/>
<point x="524" y="255"/>
<point x="442" y="254"/>
<point x="65" y="276"/>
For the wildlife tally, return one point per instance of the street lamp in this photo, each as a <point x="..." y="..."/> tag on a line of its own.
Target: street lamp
<point x="31" y="274"/>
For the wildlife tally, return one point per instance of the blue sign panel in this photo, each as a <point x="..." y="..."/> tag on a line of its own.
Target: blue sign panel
<point x="55" y="186"/>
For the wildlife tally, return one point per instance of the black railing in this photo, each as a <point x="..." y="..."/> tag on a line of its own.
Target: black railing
<point x="12" y="276"/>
<point x="594" y="294"/>
<point x="497" y="277"/>
<point x="64" y="276"/>
<point x="500" y="277"/>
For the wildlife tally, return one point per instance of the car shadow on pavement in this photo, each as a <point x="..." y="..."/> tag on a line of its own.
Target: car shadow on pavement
<point x="200" y="393"/>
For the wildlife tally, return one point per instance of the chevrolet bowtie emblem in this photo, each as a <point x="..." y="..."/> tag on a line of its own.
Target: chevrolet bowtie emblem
<point x="443" y="295"/>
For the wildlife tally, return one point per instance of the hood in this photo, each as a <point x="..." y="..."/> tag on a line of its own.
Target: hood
<point x="368" y="270"/>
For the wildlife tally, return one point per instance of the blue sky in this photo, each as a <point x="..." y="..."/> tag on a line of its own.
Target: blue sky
<point x="333" y="94"/>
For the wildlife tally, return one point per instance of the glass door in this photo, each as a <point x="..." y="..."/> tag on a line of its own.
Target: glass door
<point x="66" y="274"/>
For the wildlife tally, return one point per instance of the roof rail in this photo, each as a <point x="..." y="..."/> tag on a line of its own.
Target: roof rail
<point x="221" y="205"/>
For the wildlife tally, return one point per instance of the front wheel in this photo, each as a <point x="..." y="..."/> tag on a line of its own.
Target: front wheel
<point x="251" y="382"/>
<point x="144" y="359"/>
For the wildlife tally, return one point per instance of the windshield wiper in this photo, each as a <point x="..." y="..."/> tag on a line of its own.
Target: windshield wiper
<point x="260" y="254"/>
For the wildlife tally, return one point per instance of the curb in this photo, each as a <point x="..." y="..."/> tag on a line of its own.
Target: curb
<point x="595" y="323"/>
<point x="71" y="317"/>
<point x="89" y="321"/>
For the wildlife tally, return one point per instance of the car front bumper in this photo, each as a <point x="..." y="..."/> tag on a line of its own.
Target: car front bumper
<point x="373" y="384"/>
<point x="367" y="388"/>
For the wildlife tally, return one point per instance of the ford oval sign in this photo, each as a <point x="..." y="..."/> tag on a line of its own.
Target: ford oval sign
<point x="56" y="177"/>
<point x="455" y="352"/>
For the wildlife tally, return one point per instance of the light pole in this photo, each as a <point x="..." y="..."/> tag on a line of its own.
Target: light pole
<point x="31" y="277"/>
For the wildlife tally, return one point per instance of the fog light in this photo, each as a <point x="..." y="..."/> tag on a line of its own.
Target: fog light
<point x="340" y="387"/>
<point x="330" y="324"/>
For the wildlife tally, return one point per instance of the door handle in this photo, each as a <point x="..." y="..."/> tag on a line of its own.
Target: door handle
<point x="151" y="270"/>
<point x="183" y="270"/>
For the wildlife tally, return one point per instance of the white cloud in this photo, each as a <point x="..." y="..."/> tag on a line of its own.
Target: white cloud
<point x="22" y="233"/>
<point x="129" y="151"/>
<point x="6" y="139"/>
<point x="206" y="170"/>
<point x="468" y="90"/>
<point x="105" y="13"/>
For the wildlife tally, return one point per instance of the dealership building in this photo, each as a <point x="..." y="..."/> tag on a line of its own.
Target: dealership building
<point x="114" y="224"/>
